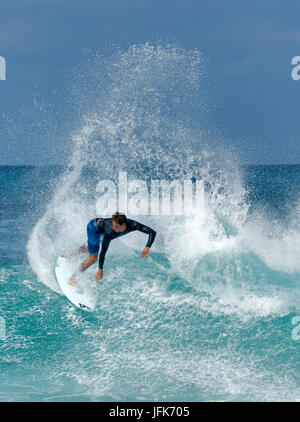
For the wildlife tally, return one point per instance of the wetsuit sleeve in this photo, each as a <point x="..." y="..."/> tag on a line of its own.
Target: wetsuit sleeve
<point x="105" y="243"/>
<point x="145" y="229"/>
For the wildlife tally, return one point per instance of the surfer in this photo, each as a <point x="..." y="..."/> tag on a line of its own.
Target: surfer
<point x="107" y="229"/>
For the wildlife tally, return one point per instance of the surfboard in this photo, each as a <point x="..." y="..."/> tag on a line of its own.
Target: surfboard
<point x="80" y="297"/>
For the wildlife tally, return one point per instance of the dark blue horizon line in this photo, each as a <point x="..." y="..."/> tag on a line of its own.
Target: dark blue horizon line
<point x="66" y="166"/>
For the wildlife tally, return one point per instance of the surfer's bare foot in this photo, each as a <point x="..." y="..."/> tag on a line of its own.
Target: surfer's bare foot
<point x="73" y="282"/>
<point x="67" y="255"/>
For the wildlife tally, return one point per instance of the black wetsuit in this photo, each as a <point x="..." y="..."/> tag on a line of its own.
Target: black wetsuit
<point x="104" y="226"/>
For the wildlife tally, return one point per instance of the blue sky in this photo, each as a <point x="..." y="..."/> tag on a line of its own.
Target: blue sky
<point x="247" y="46"/>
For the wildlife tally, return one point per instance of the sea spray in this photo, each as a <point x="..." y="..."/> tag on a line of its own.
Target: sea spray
<point x="209" y="315"/>
<point x="139" y="122"/>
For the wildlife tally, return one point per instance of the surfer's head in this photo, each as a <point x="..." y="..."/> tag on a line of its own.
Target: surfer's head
<point x="119" y="221"/>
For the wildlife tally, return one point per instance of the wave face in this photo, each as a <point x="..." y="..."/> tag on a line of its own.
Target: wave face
<point x="208" y="315"/>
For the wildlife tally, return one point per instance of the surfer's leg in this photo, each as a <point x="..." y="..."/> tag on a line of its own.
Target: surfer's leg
<point x="82" y="248"/>
<point x="88" y="262"/>
<point x="93" y="248"/>
<point x="72" y="281"/>
<point x="79" y="250"/>
<point x="84" y="266"/>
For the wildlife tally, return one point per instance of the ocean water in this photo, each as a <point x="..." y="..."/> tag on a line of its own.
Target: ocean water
<point x="208" y="316"/>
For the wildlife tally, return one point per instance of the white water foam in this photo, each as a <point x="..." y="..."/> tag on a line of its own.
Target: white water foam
<point x="137" y="116"/>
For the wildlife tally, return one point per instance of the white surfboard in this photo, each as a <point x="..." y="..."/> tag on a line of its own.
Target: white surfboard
<point x="81" y="297"/>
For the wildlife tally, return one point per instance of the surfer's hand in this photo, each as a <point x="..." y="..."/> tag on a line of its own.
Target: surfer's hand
<point x="145" y="252"/>
<point x="98" y="275"/>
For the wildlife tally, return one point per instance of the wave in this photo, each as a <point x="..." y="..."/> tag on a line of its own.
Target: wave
<point x="143" y="111"/>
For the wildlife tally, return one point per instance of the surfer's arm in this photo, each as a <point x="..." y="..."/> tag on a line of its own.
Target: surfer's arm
<point x="104" y="246"/>
<point x="152" y="233"/>
<point x="98" y="275"/>
<point x="145" y="229"/>
<point x="105" y="243"/>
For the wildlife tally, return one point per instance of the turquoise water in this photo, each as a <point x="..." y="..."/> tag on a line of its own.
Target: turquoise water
<point x="208" y="315"/>
<point x="222" y="332"/>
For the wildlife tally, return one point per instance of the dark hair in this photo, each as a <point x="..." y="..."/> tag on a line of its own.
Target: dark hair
<point x="119" y="218"/>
